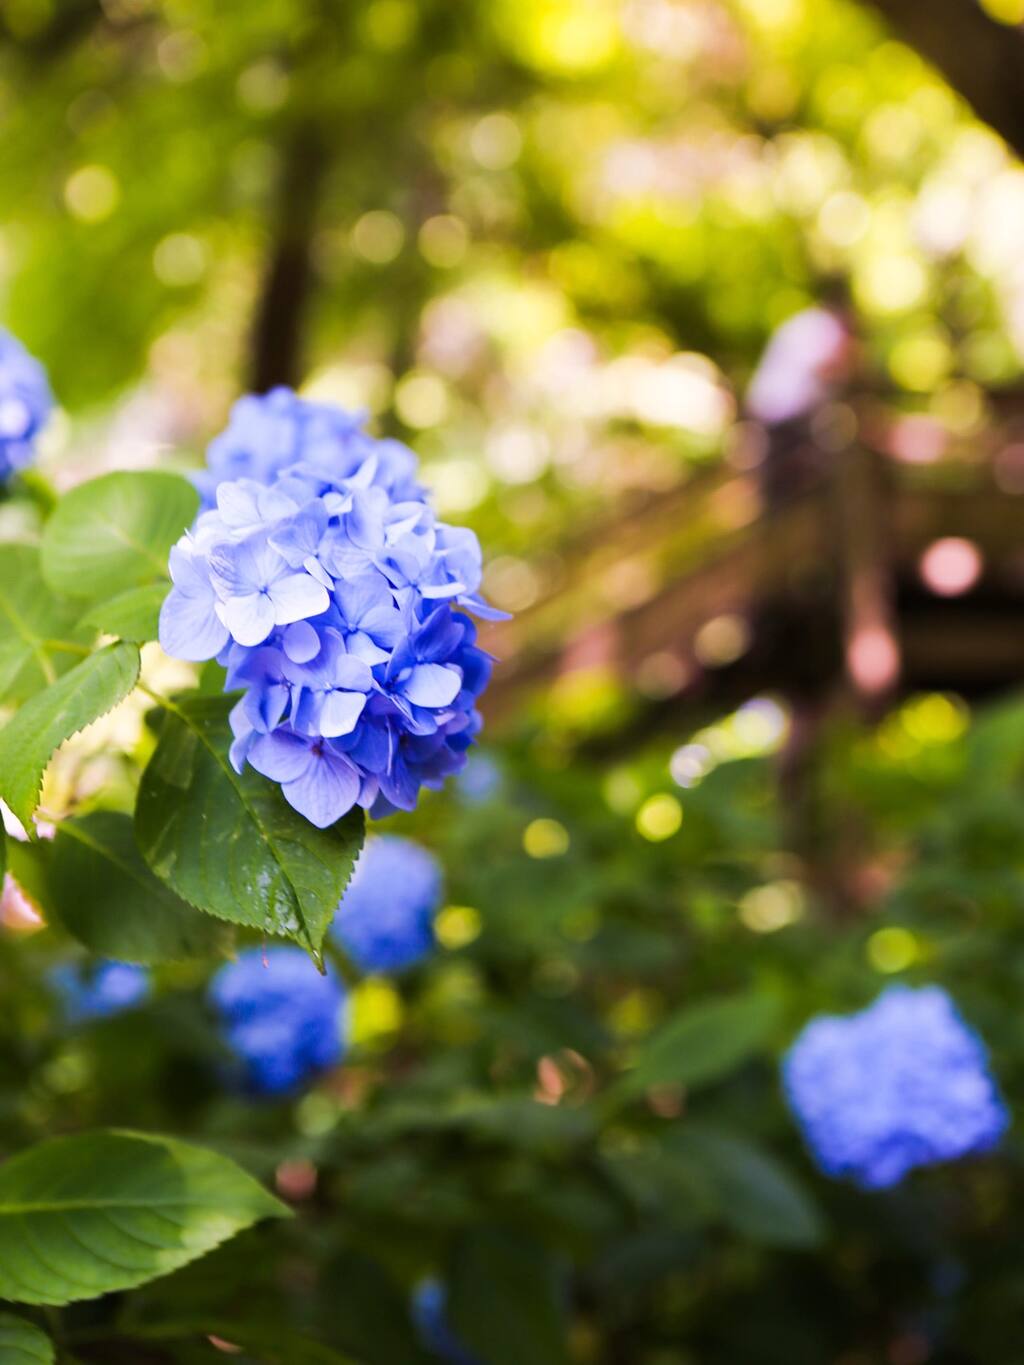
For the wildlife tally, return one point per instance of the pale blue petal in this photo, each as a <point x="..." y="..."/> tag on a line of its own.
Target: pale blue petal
<point x="297" y="597"/>
<point x="362" y="647"/>
<point x="340" y="712"/>
<point x="249" y="619"/>
<point x="351" y="673"/>
<point x="326" y="791"/>
<point x="301" y="642"/>
<point x="432" y="685"/>
<point x="190" y="628"/>
<point x="281" y="756"/>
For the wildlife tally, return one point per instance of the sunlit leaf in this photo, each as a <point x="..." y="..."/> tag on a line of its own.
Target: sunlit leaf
<point x="31" y="618"/>
<point x="115" y="532"/>
<point x="86" y="1215"/>
<point x="27" y="742"/>
<point x="133" y="615"/>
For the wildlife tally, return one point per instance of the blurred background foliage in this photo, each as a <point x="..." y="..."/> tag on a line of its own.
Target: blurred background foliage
<point x="546" y="241"/>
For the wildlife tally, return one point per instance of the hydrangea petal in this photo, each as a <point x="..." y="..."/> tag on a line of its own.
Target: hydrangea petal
<point x="326" y="791"/>
<point x="190" y="628"/>
<point x="432" y="685"/>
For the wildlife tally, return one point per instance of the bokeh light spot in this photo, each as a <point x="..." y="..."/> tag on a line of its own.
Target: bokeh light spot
<point x="496" y="142"/>
<point x="766" y="909"/>
<point x="421" y="400"/>
<point x="443" y="241"/>
<point x="659" y="817"/>
<point x="951" y="566"/>
<point x="1004" y="11"/>
<point x="179" y="260"/>
<point x="721" y="641"/>
<point x="92" y="193"/>
<point x="873" y="658"/>
<point x="892" y="950"/>
<point x="375" y="1011"/>
<point x="545" y="839"/>
<point x="378" y="237"/>
<point x="457" y="925"/>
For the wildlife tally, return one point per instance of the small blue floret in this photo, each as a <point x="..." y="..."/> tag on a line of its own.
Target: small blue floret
<point x="25" y="405"/>
<point x="386" y="917"/>
<point x="99" y="991"/>
<point x="904" y="1083"/>
<point x="430" y="1314"/>
<point x="280" y="1017"/>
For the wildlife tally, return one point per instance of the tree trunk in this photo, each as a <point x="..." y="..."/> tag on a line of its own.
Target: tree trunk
<point x="982" y="59"/>
<point x="287" y="285"/>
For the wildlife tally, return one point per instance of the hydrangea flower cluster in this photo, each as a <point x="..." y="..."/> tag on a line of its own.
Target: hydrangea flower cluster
<point x="25" y="405"/>
<point x="386" y="917"/>
<point x="430" y="1314"/>
<point x="279" y="1016"/>
<point x="904" y="1083"/>
<point x="90" y="992"/>
<point x="320" y="577"/>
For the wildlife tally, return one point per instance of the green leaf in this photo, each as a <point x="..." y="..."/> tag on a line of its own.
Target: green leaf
<point x="230" y="844"/>
<point x="757" y="1196"/>
<point x="133" y="615"/>
<point x="91" y="689"/>
<point x="101" y="890"/>
<point x="30" y="616"/>
<point x="21" y="1343"/>
<point x="115" y="532"/>
<point x="86" y="1215"/>
<point x="700" y="1044"/>
<point x="503" y="1301"/>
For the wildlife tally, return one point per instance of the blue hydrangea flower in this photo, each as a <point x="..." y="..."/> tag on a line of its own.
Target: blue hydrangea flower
<point x="386" y="917"/>
<point x="25" y="405"/>
<point x="319" y="576"/>
<point x="429" y="1313"/>
<point x="279" y="1016"/>
<point x="480" y="781"/>
<point x="904" y="1083"/>
<point x="101" y="990"/>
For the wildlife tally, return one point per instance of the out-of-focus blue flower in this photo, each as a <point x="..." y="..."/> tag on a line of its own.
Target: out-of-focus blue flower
<point x="480" y="780"/>
<point x="429" y="1313"/>
<point x="904" y="1083"/>
<point x="101" y="990"/>
<point x="279" y="1016"/>
<point x="386" y="917"/>
<point x="25" y="405"/>
<point x="320" y="578"/>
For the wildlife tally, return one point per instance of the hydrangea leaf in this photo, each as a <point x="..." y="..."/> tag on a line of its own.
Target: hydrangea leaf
<point x="133" y="615"/>
<point x="22" y="1343"/>
<point x="700" y="1044"/>
<point x="91" y="689"/>
<point x="756" y="1195"/>
<point x="501" y="1278"/>
<point x="87" y="1215"/>
<point x="230" y="844"/>
<point x="96" y="883"/>
<point x="115" y="532"/>
<point x="31" y="616"/>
